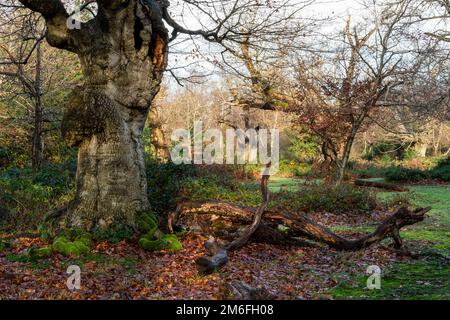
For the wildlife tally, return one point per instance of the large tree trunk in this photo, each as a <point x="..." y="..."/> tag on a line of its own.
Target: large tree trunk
<point x="123" y="60"/>
<point x="111" y="181"/>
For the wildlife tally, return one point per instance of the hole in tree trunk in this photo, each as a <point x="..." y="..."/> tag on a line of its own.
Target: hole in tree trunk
<point x="138" y="27"/>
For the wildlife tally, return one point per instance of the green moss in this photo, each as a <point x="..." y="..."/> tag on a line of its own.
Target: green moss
<point x="153" y="239"/>
<point x="79" y="246"/>
<point x="168" y="242"/>
<point x="40" y="253"/>
<point x="147" y="223"/>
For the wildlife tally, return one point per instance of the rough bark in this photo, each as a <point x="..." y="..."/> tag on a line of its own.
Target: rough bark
<point x="123" y="53"/>
<point x="218" y="258"/>
<point x="380" y="185"/>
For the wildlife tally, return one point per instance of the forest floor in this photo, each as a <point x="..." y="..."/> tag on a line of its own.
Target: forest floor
<point x="124" y="271"/>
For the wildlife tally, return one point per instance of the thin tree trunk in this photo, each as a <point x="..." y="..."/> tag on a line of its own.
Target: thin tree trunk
<point x="343" y="163"/>
<point x="437" y="140"/>
<point x="37" y="132"/>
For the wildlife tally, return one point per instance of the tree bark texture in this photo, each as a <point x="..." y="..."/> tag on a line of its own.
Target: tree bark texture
<point x="123" y="54"/>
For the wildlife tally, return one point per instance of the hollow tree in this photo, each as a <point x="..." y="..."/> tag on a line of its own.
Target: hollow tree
<point x="123" y="51"/>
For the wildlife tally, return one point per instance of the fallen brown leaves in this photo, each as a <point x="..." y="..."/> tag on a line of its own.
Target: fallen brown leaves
<point x="124" y="271"/>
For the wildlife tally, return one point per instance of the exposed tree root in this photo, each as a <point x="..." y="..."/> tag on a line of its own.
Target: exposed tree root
<point x="380" y="185"/>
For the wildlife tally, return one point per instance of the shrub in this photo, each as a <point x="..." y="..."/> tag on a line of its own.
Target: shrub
<point x="27" y="195"/>
<point x="442" y="170"/>
<point x="220" y="188"/>
<point x="293" y="168"/>
<point x="325" y="197"/>
<point x="405" y="174"/>
<point x="164" y="182"/>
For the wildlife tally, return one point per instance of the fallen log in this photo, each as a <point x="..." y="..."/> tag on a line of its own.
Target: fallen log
<point x="219" y="257"/>
<point x="380" y="185"/>
<point x="242" y="240"/>
<point x="298" y="224"/>
<point x="223" y="219"/>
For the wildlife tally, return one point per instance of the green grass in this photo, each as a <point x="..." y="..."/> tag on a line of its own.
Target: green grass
<point x="406" y="281"/>
<point x="435" y="229"/>
<point x="420" y="279"/>
<point x="26" y="262"/>
<point x="277" y="184"/>
<point x="102" y="259"/>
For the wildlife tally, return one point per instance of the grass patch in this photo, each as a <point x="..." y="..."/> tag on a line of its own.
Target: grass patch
<point x="128" y="263"/>
<point x="406" y="281"/>
<point x="424" y="279"/>
<point x="277" y="184"/>
<point x="27" y="262"/>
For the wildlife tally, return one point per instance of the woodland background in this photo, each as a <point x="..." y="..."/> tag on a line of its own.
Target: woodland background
<point x="357" y="97"/>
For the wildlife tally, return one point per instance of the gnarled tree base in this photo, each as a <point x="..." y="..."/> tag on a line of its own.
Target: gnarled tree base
<point x="75" y="216"/>
<point x="226" y="220"/>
